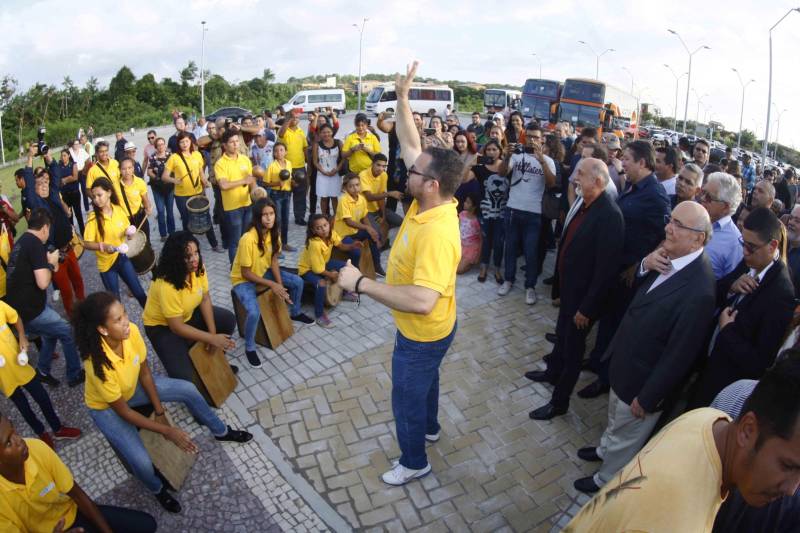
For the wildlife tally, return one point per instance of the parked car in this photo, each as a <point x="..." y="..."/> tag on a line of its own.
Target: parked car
<point x="234" y="113"/>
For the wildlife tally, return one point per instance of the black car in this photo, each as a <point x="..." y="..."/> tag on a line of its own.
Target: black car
<point x="234" y="113"/>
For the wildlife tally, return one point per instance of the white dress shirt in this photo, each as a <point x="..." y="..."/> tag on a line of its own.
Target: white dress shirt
<point x="677" y="265"/>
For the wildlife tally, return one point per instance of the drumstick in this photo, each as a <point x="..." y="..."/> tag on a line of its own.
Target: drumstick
<point x="142" y="223"/>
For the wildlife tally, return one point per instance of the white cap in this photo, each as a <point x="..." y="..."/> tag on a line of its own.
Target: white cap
<point x="129" y="146"/>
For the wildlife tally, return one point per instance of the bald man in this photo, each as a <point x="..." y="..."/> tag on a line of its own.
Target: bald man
<point x="661" y="333"/>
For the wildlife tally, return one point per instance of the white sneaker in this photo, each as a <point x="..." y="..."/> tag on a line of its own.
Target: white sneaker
<point x="504" y="289"/>
<point x="400" y="475"/>
<point x="530" y="296"/>
<point x="433" y="438"/>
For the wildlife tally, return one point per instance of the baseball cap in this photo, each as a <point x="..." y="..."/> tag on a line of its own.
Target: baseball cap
<point x="129" y="146"/>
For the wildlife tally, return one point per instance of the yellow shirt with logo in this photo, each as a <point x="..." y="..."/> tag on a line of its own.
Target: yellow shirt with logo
<point x="188" y="185"/>
<point x="230" y="169"/>
<point x="426" y="253"/>
<point x="273" y="174"/>
<point x="114" y="227"/>
<point x="42" y="501"/>
<point x="248" y="255"/>
<point x="95" y="172"/>
<point x="123" y="376"/>
<point x="296" y="144"/>
<point x="165" y="301"/>
<point x="373" y="184"/>
<point x="135" y="193"/>
<point x="316" y="254"/>
<point x="354" y="209"/>
<point x="360" y="160"/>
<point x="12" y="375"/>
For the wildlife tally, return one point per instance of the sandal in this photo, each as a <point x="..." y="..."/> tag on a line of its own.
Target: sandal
<point x="482" y="276"/>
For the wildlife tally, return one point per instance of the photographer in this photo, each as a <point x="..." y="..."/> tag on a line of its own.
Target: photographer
<point x="360" y="146"/>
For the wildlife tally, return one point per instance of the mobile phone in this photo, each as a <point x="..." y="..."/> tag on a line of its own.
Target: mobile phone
<point x="429" y="131"/>
<point x="485" y="160"/>
<point x="388" y="114"/>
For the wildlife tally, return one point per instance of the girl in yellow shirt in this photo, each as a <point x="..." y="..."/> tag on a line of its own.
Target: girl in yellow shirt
<point x="352" y="222"/>
<point x="134" y="199"/>
<point x="280" y="188"/>
<point x="105" y="234"/>
<point x="118" y="379"/>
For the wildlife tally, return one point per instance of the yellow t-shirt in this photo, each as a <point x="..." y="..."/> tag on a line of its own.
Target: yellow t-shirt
<point x="122" y="378"/>
<point x="42" y="501"/>
<point x="248" y="255"/>
<point x="296" y="144"/>
<point x="95" y="172"/>
<point x="273" y="171"/>
<point x="349" y="208"/>
<point x="359" y="160"/>
<point x="12" y="375"/>
<point x="230" y="169"/>
<point x="165" y="301"/>
<point x="373" y="184"/>
<point x="673" y="484"/>
<point x="426" y="253"/>
<point x="187" y="186"/>
<point x="316" y="254"/>
<point x="114" y="234"/>
<point x="135" y="193"/>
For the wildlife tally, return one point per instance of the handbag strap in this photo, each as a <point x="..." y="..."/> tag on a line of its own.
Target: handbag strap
<point x="189" y="171"/>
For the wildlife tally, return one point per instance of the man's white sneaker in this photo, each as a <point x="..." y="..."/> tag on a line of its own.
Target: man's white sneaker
<point x="433" y="438"/>
<point x="530" y="296"/>
<point x="400" y="475"/>
<point x="504" y="289"/>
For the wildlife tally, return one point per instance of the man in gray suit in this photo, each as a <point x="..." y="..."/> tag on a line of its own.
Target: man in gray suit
<point x="658" y="340"/>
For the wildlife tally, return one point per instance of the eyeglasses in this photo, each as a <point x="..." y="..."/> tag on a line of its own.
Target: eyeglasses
<point x="668" y="219"/>
<point x="704" y="196"/>
<point x="425" y="177"/>
<point x="750" y="247"/>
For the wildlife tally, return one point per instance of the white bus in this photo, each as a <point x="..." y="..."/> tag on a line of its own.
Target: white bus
<point x="316" y="99"/>
<point x="501" y="100"/>
<point x="421" y="97"/>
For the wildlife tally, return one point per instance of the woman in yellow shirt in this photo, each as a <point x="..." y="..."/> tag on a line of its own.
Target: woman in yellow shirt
<point x="179" y="312"/>
<point x="135" y="200"/>
<point x="118" y="379"/>
<point x="353" y="224"/>
<point x="105" y="234"/>
<point x="360" y="146"/>
<point x="278" y="178"/>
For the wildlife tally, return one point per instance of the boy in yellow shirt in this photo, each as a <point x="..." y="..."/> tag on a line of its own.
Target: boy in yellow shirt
<point x="352" y="223"/>
<point x="296" y="143"/>
<point x="374" y="182"/>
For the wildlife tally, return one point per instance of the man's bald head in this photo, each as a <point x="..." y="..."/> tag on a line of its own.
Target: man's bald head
<point x="689" y="229"/>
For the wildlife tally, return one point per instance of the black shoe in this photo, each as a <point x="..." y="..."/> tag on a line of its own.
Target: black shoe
<point x="78" y="380"/>
<point x="586" y="484"/>
<point x="235" y="435"/>
<point x="47" y="379"/>
<point x="546" y="412"/>
<point x="588" y="366"/>
<point x="548" y="281"/>
<point x="253" y="359"/>
<point x="300" y="222"/>
<point x="540" y="376"/>
<point x="166" y="500"/>
<point x="235" y="369"/>
<point x="481" y="277"/>
<point x="589" y="453"/>
<point x="304" y="318"/>
<point x="594" y="389"/>
<point x="551" y="337"/>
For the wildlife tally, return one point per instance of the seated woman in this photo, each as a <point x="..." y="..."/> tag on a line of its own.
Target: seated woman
<point x="256" y="265"/>
<point x="179" y="313"/>
<point x="117" y="379"/>
<point x="316" y="266"/>
<point x="105" y="233"/>
<point x="352" y="223"/>
<point x="38" y="493"/>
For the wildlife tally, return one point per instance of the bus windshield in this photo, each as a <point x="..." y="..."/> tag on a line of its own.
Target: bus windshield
<point x="538" y="108"/>
<point x="584" y="91"/>
<point x="375" y="95"/>
<point x="494" y="98"/>
<point x="541" y="88"/>
<point x="579" y="115"/>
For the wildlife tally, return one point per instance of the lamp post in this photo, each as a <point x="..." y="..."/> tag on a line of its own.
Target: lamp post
<point x="697" y="116"/>
<point x="202" y="74"/>
<point x="689" y="79"/>
<point x="741" y="113"/>
<point x="2" y="146"/>
<point x="540" y="63"/>
<point x="769" y="92"/>
<point x="360" y="43"/>
<point x="677" y="79"/>
<point x="777" y="133"/>
<point x="597" y="58"/>
<point x="631" y="75"/>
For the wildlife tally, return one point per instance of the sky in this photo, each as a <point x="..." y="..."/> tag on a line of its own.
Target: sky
<point x="467" y="40"/>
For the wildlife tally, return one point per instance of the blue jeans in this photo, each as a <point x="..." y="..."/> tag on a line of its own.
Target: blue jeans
<point x="522" y="227"/>
<point x="493" y="230"/>
<point x="246" y="292"/>
<point x="320" y="291"/>
<point x="236" y="222"/>
<point x="415" y="394"/>
<point x="355" y="255"/>
<point x="123" y="268"/>
<point x="180" y="202"/>
<point x="165" y="212"/>
<point x="124" y="436"/>
<point x="281" y="199"/>
<point x="51" y="328"/>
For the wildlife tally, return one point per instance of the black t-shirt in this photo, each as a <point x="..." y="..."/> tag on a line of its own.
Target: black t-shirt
<point x="22" y="292"/>
<point x="60" y="229"/>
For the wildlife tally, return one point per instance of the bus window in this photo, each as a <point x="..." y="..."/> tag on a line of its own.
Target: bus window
<point x="375" y="95"/>
<point x="389" y="96"/>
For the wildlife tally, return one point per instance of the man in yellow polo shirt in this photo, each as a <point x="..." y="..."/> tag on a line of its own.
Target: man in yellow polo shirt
<point x="420" y="290"/>
<point x="296" y="145"/>
<point x="38" y="493"/>
<point x="374" y="182"/>
<point x="105" y="167"/>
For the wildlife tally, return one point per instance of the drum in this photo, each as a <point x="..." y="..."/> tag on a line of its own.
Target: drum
<point x="333" y="294"/>
<point x="141" y="253"/>
<point x="299" y="176"/>
<point x="199" y="214"/>
<point x="77" y="244"/>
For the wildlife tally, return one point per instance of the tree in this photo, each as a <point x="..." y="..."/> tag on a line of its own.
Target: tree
<point x="8" y="88"/>
<point x="268" y="76"/>
<point x="121" y="84"/>
<point x="149" y="91"/>
<point x="189" y="73"/>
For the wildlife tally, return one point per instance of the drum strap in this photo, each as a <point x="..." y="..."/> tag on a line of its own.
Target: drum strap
<point x="188" y="170"/>
<point x="125" y="198"/>
<point x="105" y="172"/>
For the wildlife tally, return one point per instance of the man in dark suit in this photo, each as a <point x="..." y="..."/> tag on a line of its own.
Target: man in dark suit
<point x="658" y="340"/>
<point x="586" y="267"/>
<point x="757" y="302"/>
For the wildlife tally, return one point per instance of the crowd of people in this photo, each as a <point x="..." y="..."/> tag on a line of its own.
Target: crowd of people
<point x="689" y="268"/>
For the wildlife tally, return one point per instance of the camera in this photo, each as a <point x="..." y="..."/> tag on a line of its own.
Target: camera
<point x="516" y="147"/>
<point x="485" y="160"/>
<point x="61" y="255"/>
<point x="41" y="146"/>
<point x="429" y="131"/>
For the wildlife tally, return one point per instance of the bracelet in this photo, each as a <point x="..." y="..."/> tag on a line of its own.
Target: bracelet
<point x="359" y="283"/>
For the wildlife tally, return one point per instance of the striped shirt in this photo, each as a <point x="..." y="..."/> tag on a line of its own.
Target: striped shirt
<point x="731" y="399"/>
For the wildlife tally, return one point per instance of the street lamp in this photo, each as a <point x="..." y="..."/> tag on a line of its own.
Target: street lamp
<point x="360" y="42"/>
<point x="540" y="63"/>
<point x="777" y="133"/>
<point x="689" y="79"/>
<point x="677" y="79"/>
<point x="741" y="113"/>
<point x="202" y="74"/>
<point x="597" y="58"/>
<point x="631" y="75"/>
<point x="697" y="116"/>
<point x="769" y="92"/>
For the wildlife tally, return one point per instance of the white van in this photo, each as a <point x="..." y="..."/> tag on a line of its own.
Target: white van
<point x="501" y="100"/>
<point x="421" y="97"/>
<point x="316" y="99"/>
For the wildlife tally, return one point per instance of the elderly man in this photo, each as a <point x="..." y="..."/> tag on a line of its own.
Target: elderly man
<point x="586" y="268"/>
<point x="720" y="197"/>
<point x="793" y="255"/>
<point x="688" y="184"/>
<point x="656" y="344"/>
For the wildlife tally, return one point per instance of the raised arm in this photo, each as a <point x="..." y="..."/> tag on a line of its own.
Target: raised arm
<point x="407" y="134"/>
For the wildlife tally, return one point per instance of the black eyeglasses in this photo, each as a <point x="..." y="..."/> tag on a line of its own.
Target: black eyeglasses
<point x="750" y="247"/>
<point x="426" y="177"/>
<point x="677" y="223"/>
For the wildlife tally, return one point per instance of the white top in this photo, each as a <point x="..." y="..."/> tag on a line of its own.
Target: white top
<point x="669" y="185"/>
<point x="677" y="265"/>
<point x="79" y="157"/>
<point x="527" y="182"/>
<point x="328" y="157"/>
